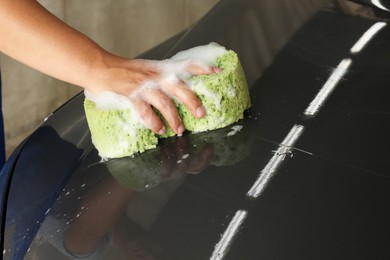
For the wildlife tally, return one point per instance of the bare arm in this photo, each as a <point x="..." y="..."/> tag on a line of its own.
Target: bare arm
<point x="32" y="35"/>
<point x="35" y="37"/>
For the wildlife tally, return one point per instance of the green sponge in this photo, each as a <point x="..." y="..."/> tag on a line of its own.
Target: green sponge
<point x="117" y="133"/>
<point x="224" y="95"/>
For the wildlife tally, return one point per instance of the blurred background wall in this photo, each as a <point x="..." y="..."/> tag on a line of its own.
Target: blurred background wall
<point x="124" y="27"/>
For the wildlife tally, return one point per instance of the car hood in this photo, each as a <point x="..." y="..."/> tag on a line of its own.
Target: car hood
<point x="306" y="176"/>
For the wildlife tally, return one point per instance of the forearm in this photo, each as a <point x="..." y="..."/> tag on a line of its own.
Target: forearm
<point x="35" y="37"/>
<point x="32" y="35"/>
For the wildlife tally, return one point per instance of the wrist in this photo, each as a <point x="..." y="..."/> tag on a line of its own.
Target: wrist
<point x="99" y="76"/>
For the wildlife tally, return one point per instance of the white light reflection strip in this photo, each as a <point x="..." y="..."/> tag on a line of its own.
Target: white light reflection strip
<point x="378" y="4"/>
<point x="276" y="160"/>
<point x="328" y="87"/>
<point x="367" y="36"/>
<point x="223" y="245"/>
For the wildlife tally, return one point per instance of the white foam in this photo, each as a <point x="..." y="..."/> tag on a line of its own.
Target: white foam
<point x="235" y="130"/>
<point x="199" y="88"/>
<point x="204" y="54"/>
<point x="129" y="128"/>
<point x="231" y="92"/>
<point x="108" y="100"/>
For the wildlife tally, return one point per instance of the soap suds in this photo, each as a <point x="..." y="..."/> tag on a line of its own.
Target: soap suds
<point x="171" y="71"/>
<point x="202" y="90"/>
<point x="231" y="92"/>
<point x="235" y="130"/>
<point x="204" y="54"/>
<point x="108" y="100"/>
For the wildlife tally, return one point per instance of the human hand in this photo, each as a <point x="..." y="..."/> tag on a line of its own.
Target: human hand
<point x="62" y="52"/>
<point x="152" y="84"/>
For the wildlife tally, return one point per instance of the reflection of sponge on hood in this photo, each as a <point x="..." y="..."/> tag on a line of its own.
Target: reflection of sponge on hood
<point x="116" y="132"/>
<point x="231" y="144"/>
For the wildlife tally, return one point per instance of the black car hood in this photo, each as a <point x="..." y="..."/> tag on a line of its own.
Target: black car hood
<point x="306" y="176"/>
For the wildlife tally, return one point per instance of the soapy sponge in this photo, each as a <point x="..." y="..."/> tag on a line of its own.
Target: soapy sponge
<point x="224" y="95"/>
<point x="117" y="132"/>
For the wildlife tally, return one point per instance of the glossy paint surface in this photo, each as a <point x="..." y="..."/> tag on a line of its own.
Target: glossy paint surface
<point x="307" y="176"/>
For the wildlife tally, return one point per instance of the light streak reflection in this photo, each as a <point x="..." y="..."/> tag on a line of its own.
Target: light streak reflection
<point x="275" y="162"/>
<point x="378" y="4"/>
<point x="367" y="36"/>
<point x="289" y="141"/>
<point x="328" y="87"/>
<point x="223" y="245"/>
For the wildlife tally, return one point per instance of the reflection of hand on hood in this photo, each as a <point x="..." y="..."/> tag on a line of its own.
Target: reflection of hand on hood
<point x="190" y="153"/>
<point x="171" y="159"/>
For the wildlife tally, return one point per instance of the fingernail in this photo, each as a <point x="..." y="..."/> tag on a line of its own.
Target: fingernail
<point x="162" y="130"/>
<point x="200" y="112"/>
<point x="216" y="69"/>
<point x="180" y="129"/>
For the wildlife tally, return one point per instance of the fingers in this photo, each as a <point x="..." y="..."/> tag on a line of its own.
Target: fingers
<point x="181" y="91"/>
<point x="164" y="104"/>
<point x="148" y="116"/>
<point x="196" y="69"/>
<point x="159" y="99"/>
<point x="186" y="96"/>
<point x="161" y="89"/>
